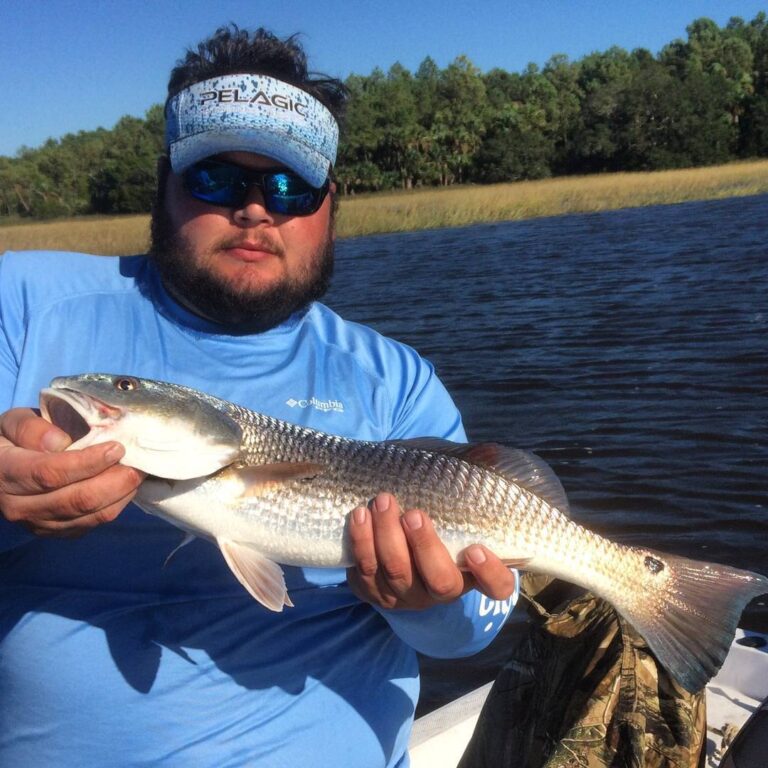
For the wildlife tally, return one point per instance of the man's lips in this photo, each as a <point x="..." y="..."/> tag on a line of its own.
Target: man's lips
<point x="247" y="251"/>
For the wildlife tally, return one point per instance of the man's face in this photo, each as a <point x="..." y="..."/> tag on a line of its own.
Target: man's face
<point x="242" y="266"/>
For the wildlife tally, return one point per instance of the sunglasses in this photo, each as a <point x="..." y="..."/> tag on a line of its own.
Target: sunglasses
<point x="228" y="185"/>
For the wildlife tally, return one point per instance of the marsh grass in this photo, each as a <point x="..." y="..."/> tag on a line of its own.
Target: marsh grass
<point x="106" y="235"/>
<point x="436" y="208"/>
<point x="459" y="206"/>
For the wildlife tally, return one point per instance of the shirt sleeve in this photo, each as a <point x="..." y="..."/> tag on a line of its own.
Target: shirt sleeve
<point x="11" y="341"/>
<point x="461" y="628"/>
<point x="468" y="624"/>
<point x="9" y="367"/>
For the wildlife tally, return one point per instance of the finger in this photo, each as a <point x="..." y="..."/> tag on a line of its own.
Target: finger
<point x="31" y="472"/>
<point x="439" y="574"/>
<point x="492" y="576"/>
<point x="364" y="579"/>
<point x="395" y="567"/>
<point x="74" y="501"/>
<point x="76" y="527"/>
<point x="24" y="428"/>
<point x="363" y="551"/>
<point x="361" y="543"/>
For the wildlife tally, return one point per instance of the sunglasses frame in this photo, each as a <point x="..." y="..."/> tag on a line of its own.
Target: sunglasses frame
<point x="248" y="179"/>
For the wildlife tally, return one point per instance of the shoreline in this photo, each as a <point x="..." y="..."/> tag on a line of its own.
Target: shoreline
<point x="436" y="208"/>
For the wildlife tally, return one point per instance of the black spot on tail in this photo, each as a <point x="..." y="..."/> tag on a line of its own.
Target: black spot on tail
<point x="654" y="565"/>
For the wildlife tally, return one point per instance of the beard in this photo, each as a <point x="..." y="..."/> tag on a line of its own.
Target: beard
<point x="245" y="308"/>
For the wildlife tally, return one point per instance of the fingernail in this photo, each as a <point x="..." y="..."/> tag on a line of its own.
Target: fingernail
<point x="358" y="515"/>
<point x="115" y="452"/>
<point x="137" y="476"/>
<point x="413" y="519"/>
<point x="381" y="502"/>
<point x="54" y="441"/>
<point x="476" y="554"/>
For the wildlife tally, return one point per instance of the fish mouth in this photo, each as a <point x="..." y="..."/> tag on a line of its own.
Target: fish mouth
<point x="75" y="413"/>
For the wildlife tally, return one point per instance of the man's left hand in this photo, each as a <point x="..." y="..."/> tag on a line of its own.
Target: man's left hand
<point x="402" y="563"/>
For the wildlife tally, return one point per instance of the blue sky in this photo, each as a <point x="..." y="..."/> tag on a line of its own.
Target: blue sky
<point x="70" y="65"/>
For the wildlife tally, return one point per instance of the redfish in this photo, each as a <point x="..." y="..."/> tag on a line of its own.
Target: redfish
<point x="266" y="492"/>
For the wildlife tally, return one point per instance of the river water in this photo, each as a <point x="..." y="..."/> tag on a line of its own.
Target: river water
<point x="629" y="349"/>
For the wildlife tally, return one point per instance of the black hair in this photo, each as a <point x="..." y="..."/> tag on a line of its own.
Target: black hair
<point x="231" y="50"/>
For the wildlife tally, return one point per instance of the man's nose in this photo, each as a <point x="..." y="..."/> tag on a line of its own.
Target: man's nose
<point x="253" y="211"/>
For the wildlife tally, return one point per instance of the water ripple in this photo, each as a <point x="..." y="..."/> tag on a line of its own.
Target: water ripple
<point x="629" y="349"/>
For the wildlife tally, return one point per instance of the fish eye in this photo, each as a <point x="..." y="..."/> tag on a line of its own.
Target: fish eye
<point x="126" y="384"/>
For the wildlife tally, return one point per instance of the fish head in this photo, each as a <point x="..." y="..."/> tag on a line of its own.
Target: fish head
<point x="167" y="430"/>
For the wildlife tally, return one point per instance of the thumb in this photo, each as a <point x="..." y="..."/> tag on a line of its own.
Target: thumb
<point x="24" y="428"/>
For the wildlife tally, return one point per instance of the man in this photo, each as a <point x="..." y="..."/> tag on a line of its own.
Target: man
<point x="106" y="658"/>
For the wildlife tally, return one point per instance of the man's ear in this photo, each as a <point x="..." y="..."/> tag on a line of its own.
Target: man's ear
<point x="334" y="207"/>
<point x="162" y="167"/>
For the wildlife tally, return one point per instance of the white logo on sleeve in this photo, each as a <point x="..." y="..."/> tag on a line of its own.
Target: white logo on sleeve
<point x="493" y="608"/>
<point x="318" y="405"/>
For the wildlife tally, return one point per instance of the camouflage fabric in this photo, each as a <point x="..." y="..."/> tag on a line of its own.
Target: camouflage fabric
<point x="581" y="690"/>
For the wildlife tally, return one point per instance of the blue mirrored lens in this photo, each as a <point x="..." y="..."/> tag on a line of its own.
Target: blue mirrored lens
<point x="290" y="194"/>
<point x="228" y="185"/>
<point x="217" y="184"/>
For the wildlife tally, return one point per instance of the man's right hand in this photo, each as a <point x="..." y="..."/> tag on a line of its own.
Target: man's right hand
<point x="56" y="493"/>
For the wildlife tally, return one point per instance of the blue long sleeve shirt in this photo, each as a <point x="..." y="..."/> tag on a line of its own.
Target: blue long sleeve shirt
<point x="107" y="657"/>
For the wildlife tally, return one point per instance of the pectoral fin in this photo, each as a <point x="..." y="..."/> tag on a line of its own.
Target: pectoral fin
<point x="188" y="539"/>
<point x="257" y="479"/>
<point x="262" y="577"/>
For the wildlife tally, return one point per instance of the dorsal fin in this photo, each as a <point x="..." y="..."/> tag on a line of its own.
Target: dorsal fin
<point x="514" y="464"/>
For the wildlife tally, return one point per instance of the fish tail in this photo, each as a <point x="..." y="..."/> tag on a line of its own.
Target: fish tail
<point x="690" y="622"/>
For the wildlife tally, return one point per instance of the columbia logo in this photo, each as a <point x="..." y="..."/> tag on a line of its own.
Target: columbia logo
<point x="318" y="405"/>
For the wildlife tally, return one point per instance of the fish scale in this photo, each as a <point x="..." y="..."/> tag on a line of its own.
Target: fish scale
<point x="266" y="492"/>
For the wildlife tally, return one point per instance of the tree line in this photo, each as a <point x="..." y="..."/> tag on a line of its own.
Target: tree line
<point x="699" y="101"/>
